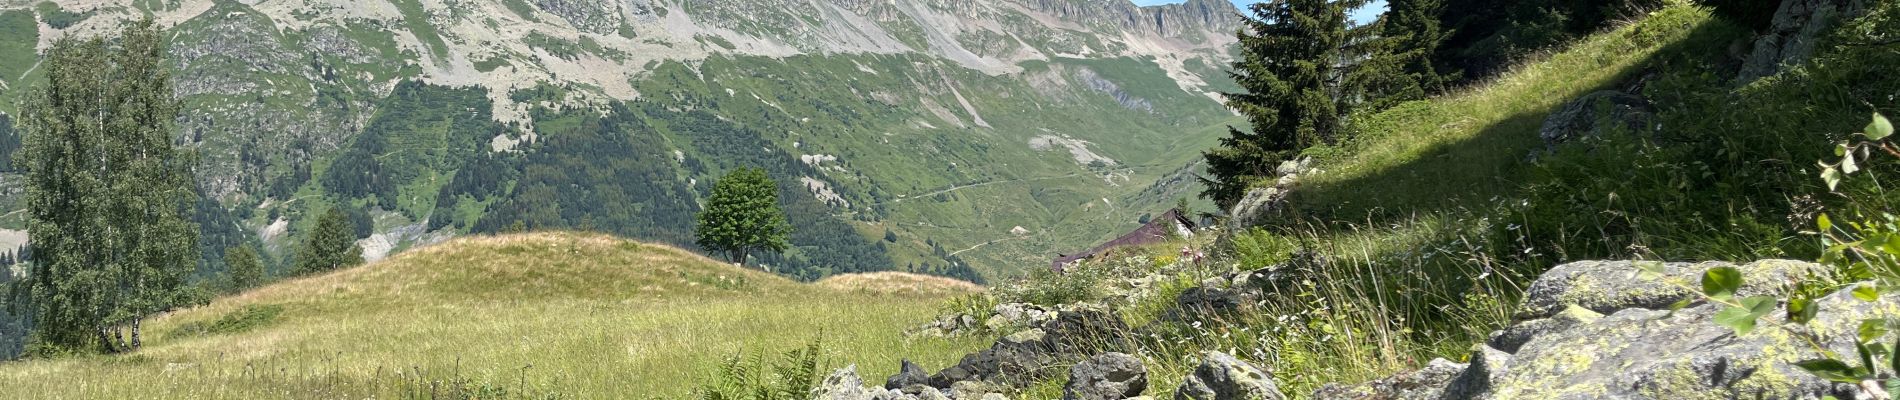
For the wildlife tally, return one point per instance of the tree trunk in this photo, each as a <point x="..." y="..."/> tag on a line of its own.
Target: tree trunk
<point x="105" y="340"/>
<point x="136" y="343"/>
<point x="741" y="256"/>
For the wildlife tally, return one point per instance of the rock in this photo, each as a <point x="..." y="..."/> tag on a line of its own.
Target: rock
<point x="1223" y="377"/>
<point x="1255" y="206"/>
<point x="973" y="390"/>
<point x="1424" y="384"/>
<point x="1202" y="301"/>
<point x="1106" y="376"/>
<point x="1487" y="365"/>
<point x="1514" y="337"/>
<point x="842" y="384"/>
<point x="1595" y="114"/>
<point x="1017" y="315"/>
<point x="1029" y="355"/>
<point x="1655" y="354"/>
<point x="907" y="375"/>
<point x="1797" y="27"/>
<point x="1608" y="286"/>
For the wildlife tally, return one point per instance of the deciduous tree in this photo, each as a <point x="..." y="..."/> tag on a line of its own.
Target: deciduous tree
<point x="107" y="194"/>
<point x="742" y="216"/>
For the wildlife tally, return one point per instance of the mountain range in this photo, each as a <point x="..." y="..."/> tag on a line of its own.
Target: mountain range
<point x="970" y="138"/>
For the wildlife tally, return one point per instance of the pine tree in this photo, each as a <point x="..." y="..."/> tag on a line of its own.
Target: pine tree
<point x="107" y="194"/>
<point x="245" y="267"/>
<point x="742" y="216"/>
<point x="1292" y="62"/>
<point x="1410" y="33"/>
<point x="331" y="245"/>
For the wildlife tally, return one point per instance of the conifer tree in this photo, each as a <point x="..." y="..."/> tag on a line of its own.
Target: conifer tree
<point x="245" y="267"/>
<point x="330" y="245"/>
<point x="742" y="216"/>
<point x="107" y="195"/>
<point x="1292" y="62"/>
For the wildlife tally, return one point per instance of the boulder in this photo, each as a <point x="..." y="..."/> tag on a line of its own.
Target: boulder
<point x="1798" y="25"/>
<point x="1223" y="377"/>
<point x="1510" y="339"/>
<point x="1029" y="355"/>
<point x="1608" y="286"/>
<point x="1487" y="366"/>
<point x="843" y="384"/>
<point x="907" y="375"/>
<point x="1017" y="315"/>
<point x="1106" y="376"/>
<point x="1203" y="301"/>
<point x="1424" y="384"/>
<point x="1595" y="114"/>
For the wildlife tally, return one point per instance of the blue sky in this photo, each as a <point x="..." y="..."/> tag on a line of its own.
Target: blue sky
<point x="1363" y="15"/>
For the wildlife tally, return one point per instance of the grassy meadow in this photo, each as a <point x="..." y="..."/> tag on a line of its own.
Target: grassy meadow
<point x="550" y="315"/>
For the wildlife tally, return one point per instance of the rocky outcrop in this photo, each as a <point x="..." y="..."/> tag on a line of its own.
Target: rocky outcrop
<point x="1223" y="377"/>
<point x="1026" y="356"/>
<point x="1106" y="376"/>
<point x="1170" y="20"/>
<point x="1791" y="38"/>
<point x="1596" y="114"/>
<point x="1594" y="330"/>
<point x="1260" y="203"/>
<point x="845" y="384"/>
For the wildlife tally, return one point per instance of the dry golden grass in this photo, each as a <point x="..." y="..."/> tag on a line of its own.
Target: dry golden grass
<point x="899" y="283"/>
<point x="564" y="314"/>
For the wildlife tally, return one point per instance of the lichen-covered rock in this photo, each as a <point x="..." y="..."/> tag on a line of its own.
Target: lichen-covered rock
<point x="1223" y="377"/>
<point x="1510" y="339"/>
<point x="842" y="384"/>
<point x="1017" y="315"/>
<point x="1608" y="286"/>
<point x="1595" y="114"/>
<point x="1651" y="354"/>
<point x="1487" y="365"/>
<point x="1424" y="384"/>
<point x="1032" y="354"/>
<point x="1106" y="376"/>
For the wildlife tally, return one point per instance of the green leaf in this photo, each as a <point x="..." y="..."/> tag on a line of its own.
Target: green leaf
<point x="1802" y="310"/>
<point x="1880" y="128"/>
<point x="1830" y="369"/>
<point x="1832" y="177"/>
<point x="1824" y="223"/>
<point x="1721" y="282"/>
<point x="1848" y="167"/>
<point x="1872" y="329"/>
<point x="1649" y="270"/>
<point x="1742" y="319"/>
<point x="1867" y="292"/>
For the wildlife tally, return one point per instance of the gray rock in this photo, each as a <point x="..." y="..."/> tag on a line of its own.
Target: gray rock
<point x="1203" y="301"/>
<point x="1017" y="315"/>
<point x="1256" y="205"/>
<point x="1223" y="377"/>
<point x="1487" y="366"/>
<point x="1652" y="354"/>
<point x="1106" y="376"/>
<point x="1596" y="114"/>
<point x="1030" y="355"/>
<point x="1797" y="27"/>
<point x="1424" y="384"/>
<point x="1608" y="286"/>
<point x="907" y="375"/>
<point x="843" y="384"/>
<point x="1510" y="339"/>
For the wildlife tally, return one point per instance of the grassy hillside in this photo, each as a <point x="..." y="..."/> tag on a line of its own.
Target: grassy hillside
<point x="535" y="315"/>
<point x="1432" y="219"/>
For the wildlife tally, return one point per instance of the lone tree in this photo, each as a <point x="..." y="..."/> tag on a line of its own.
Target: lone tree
<point x="742" y="216"/>
<point x="107" y="194"/>
<point x="331" y="244"/>
<point x="1295" y="68"/>
<point x="246" y="268"/>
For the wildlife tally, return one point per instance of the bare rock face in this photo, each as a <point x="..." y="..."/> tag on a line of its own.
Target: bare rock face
<point x="1798" y="24"/>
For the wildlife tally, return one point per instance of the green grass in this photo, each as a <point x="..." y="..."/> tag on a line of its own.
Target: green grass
<point x="550" y="314"/>
<point x="417" y="20"/>
<point x="19" y="34"/>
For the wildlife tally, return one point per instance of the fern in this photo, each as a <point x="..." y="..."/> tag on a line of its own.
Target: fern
<point x="791" y="376"/>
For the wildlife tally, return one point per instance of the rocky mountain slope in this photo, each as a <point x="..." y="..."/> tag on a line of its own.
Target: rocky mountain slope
<point x="946" y="124"/>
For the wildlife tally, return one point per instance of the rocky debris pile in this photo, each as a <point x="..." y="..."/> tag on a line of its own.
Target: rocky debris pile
<point x="1053" y="339"/>
<point x="1006" y="317"/>
<point x="1595" y="115"/>
<point x="1593" y="330"/>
